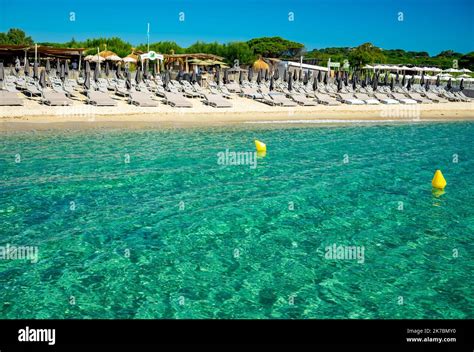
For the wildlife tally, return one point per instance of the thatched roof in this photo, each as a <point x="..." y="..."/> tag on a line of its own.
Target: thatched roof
<point x="260" y="65"/>
<point x="42" y="50"/>
<point x="199" y="56"/>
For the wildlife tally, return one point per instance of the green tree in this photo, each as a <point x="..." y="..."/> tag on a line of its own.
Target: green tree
<point x="275" y="47"/>
<point x="15" y="36"/>
<point x="364" y="54"/>
<point x="239" y="51"/>
<point x="165" y="47"/>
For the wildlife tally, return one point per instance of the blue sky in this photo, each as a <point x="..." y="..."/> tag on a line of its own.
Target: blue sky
<point x="428" y="25"/>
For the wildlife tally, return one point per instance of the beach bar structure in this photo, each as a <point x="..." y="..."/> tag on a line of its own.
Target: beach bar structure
<point x="8" y="53"/>
<point x="292" y="66"/>
<point x="188" y="62"/>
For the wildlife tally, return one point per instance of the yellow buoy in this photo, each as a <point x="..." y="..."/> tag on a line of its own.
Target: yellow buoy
<point x="261" y="147"/>
<point x="438" y="180"/>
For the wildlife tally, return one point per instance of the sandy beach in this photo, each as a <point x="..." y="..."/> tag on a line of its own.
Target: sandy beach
<point x="33" y="115"/>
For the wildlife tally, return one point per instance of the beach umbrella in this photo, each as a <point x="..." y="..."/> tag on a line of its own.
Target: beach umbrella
<point x="375" y="83"/>
<point x="339" y="85"/>
<point x="266" y="76"/>
<point x="42" y="79"/>
<point x="285" y="75"/>
<point x="87" y="80"/>
<point x="145" y="69"/>
<point x="241" y="77"/>
<point x="97" y="72"/>
<point x="250" y="74"/>
<point x="290" y="85"/>
<point x="58" y="67"/>
<point x="118" y="72"/>
<point x="276" y="74"/>
<point x="409" y="84"/>
<point x="461" y="85"/>
<point x="449" y="86"/>
<point x="325" y="80"/>
<point x="315" y="83"/>
<point x="62" y="73"/>
<point x="48" y="66"/>
<point x="403" y="81"/>
<point x="35" y="70"/>
<point x="138" y="75"/>
<point x="438" y="81"/>
<point x="397" y="79"/>
<point x="271" y="83"/>
<point x="259" y="76"/>
<point x="226" y="77"/>
<point x="107" y="70"/>
<point x="128" y="80"/>
<point x="27" y="67"/>
<point x="391" y="84"/>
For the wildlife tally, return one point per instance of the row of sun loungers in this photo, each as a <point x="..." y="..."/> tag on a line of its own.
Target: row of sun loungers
<point x="181" y="94"/>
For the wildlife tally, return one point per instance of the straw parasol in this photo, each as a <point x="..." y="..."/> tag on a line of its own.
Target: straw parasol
<point x="109" y="55"/>
<point x="129" y="58"/>
<point x="260" y="65"/>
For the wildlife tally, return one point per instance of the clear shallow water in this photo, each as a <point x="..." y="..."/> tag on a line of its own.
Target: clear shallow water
<point x="236" y="250"/>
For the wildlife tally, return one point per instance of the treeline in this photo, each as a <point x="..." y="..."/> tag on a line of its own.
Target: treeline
<point x="274" y="47"/>
<point x="368" y="53"/>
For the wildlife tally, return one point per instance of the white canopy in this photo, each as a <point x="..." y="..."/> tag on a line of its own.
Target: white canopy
<point x="94" y="58"/>
<point x="305" y="66"/>
<point x="129" y="59"/>
<point x="452" y="70"/>
<point x="113" y="58"/>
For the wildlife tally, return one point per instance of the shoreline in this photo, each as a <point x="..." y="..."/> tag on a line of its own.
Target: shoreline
<point x="245" y="112"/>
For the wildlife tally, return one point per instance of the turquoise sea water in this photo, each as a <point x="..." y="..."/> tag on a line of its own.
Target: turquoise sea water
<point x="173" y="234"/>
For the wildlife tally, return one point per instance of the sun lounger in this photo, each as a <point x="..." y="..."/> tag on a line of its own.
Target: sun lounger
<point x="368" y="100"/>
<point x="325" y="99"/>
<point x="267" y="99"/>
<point x="251" y="93"/>
<point x="435" y="98"/>
<point x="349" y="99"/>
<point x="302" y="100"/>
<point x="32" y="90"/>
<point x="142" y="99"/>
<point x="463" y="97"/>
<point x="233" y="87"/>
<point x="385" y="99"/>
<point x="100" y="99"/>
<point x="216" y="101"/>
<point x="418" y="98"/>
<point x="10" y="86"/>
<point x="55" y="98"/>
<point x="9" y="98"/>
<point x="176" y="99"/>
<point x="403" y="99"/>
<point x="281" y="99"/>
